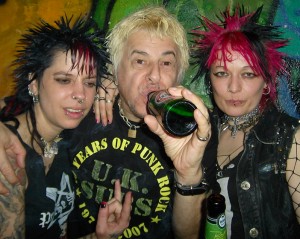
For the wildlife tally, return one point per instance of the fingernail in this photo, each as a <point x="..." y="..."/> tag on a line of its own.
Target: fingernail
<point x="103" y="204"/>
<point x="97" y="121"/>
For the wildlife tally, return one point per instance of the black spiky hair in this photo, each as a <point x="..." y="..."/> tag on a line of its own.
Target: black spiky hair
<point x="37" y="47"/>
<point x="82" y="38"/>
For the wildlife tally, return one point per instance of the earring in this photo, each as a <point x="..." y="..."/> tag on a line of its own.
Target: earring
<point x="266" y="90"/>
<point x="35" y="98"/>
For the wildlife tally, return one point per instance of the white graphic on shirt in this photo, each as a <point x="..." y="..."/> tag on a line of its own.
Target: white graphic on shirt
<point x="64" y="204"/>
<point x="228" y="212"/>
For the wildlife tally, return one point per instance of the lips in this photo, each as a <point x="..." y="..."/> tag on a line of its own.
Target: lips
<point x="235" y="102"/>
<point x="74" y="113"/>
<point x="146" y="92"/>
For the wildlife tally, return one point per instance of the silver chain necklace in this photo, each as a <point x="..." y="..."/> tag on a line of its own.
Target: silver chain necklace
<point x="132" y="127"/>
<point x="50" y="148"/>
<point x="249" y="119"/>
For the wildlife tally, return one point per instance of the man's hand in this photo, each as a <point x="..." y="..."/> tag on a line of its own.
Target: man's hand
<point x="12" y="157"/>
<point x="186" y="152"/>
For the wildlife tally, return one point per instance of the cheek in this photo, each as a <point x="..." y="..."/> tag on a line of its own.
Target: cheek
<point x="258" y="96"/>
<point x="126" y="77"/>
<point x="90" y="96"/>
<point x="90" y="102"/>
<point x="218" y="89"/>
<point x="255" y="90"/>
<point x="168" y="83"/>
<point x="168" y="79"/>
<point x="50" y="99"/>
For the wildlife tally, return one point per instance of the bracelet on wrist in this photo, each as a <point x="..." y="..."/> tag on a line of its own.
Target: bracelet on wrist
<point x="190" y="190"/>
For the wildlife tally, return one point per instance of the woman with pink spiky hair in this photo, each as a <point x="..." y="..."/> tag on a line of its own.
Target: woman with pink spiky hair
<point x="257" y="166"/>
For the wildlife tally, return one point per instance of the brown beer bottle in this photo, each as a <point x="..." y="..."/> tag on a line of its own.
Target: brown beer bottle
<point x="176" y="115"/>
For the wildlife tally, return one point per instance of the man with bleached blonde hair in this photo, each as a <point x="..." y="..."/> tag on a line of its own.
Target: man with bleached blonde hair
<point x="149" y="52"/>
<point x="158" y="22"/>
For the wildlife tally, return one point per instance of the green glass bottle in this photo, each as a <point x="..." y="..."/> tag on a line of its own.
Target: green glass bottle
<point x="176" y="115"/>
<point x="215" y="227"/>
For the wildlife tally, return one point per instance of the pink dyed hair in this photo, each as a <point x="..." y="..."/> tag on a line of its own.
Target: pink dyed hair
<point x="241" y="32"/>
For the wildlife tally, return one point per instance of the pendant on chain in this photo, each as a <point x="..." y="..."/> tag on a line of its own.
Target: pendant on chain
<point x="132" y="132"/>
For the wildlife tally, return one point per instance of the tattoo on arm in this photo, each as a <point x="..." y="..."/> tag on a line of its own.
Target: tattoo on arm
<point x="12" y="211"/>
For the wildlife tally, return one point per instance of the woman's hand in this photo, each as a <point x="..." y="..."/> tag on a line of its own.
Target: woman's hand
<point x="113" y="217"/>
<point x="104" y="101"/>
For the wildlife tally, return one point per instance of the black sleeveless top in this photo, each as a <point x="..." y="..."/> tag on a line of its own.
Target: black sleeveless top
<point x="49" y="199"/>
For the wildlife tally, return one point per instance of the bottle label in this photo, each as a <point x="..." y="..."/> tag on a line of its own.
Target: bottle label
<point x="162" y="97"/>
<point x="216" y="228"/>
<point x="157" y="101"/>
<point x="175" y="114"/>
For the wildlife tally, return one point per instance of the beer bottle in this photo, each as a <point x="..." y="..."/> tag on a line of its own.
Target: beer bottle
<point x="215" y="226"/>
<point x="176" y="115"/>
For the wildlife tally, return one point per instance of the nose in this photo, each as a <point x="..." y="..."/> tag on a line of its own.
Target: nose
<point x="79" y="92"/>
<point x="234" y="84"/>
<point x="154" y="73"/>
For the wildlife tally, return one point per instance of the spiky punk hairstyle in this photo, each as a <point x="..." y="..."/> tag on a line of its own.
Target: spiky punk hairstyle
<point x="38" y="46"/>
<point x="240" y="32"/>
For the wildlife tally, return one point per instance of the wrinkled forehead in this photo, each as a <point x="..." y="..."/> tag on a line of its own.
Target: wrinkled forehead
<point x="152" y="45"/>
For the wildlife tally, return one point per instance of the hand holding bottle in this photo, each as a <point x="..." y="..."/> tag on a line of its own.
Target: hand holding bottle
<point x="176" y="114"/>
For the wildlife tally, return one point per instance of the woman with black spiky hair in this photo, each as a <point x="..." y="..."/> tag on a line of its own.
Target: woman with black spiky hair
<point x="57" y="71"/>
<point x="257" y="166"/>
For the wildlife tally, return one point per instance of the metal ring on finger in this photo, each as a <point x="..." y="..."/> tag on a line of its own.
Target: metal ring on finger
<point x="108" y="101"/>
<point x="98" y="98"/>
<point x="203" y="139"/>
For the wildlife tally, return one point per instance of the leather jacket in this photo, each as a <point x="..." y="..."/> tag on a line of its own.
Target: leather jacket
<point x="263" y="194"/>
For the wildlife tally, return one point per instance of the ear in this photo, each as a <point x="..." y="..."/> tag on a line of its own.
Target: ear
<point x="33" y="86"/>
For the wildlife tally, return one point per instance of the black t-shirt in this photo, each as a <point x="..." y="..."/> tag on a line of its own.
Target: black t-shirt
<point x="102" y="154"/>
